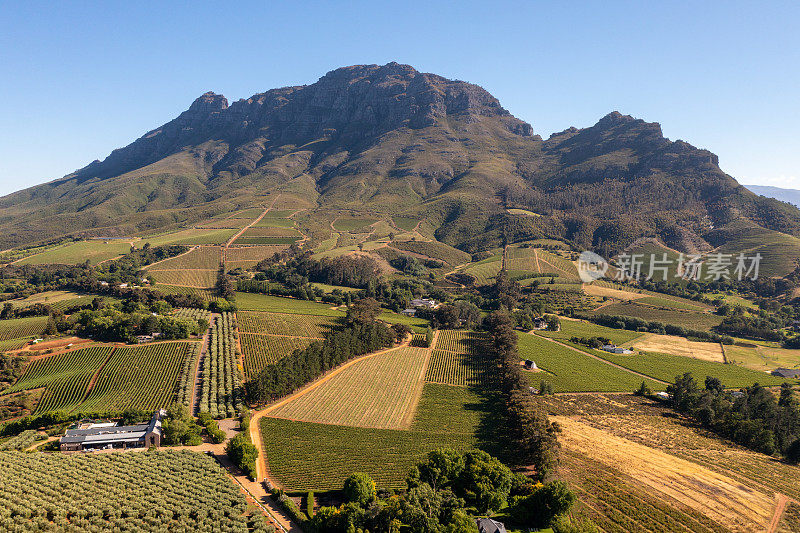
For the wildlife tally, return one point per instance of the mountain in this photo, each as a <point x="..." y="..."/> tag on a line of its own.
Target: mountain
<point x="389" y="140"/>
<point x="791" y="196"/>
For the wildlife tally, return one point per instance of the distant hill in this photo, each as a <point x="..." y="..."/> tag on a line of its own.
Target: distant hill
<point x="389" y="140"/>
<point x="784" y="195"/>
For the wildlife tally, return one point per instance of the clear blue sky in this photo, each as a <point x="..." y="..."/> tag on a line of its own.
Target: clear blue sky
<point x="83" y="78"/>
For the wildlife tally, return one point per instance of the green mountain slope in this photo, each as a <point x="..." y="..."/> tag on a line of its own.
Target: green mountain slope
<point x="389" y="140"/>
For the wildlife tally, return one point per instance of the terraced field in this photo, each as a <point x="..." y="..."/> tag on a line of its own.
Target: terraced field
<point x="485" y="272"/>
<point x="247" y="256"/>
<point x="190" y="237"/>
<point x="379" y="391"/>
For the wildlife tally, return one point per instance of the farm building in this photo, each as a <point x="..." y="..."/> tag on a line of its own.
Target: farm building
<point x="539" y="323"/>
<point x="613" y="348"/>
<point x="530" y="365"/>
<point x="408" y="312"/>
<point x="108" y="436"/>
<point x="663" y="396"/>
<point x="487" y="525"/>
<point x="424" y="302"/>
<point x="786" y="372"/>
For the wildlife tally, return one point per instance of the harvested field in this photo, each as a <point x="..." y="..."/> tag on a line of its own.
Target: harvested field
<point x="673" y="345"/>
<point x="381" y="392"/>
<point x="593" y="289"/>
<point x="715" y="495"/>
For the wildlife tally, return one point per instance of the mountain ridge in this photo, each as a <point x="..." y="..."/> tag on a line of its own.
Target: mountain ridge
<point x="388" y="139"/>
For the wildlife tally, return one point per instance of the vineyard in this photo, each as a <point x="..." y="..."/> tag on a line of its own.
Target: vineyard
<point x="484" y="273"/>
<point x="221" y="395"/>
<point x="380" y="391"/>
<point x="66" y="377"/>
<point x="458" y="341"/>
<point x="569" y="370"/>
<point x="576" y="328"/>
<point x="201" y="279"/>
<point x="687" y="319"/>
<point x="202" y="257"/>
<point x="274" y="304"/>
<point x="666" y="367"/>
<point x="285" y="324"/>
<point x="458" y="369"/>
<point x="248" y="256"/>
<point x="154" y="491"/>
<point x="204" y="294"/>
<point x="143" y="378"/>
<point x="308" y="456"/>
<point x="19" y="328"/>
<point x="262" y="350"/>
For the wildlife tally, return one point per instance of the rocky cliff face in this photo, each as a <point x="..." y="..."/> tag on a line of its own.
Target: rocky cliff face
<point x="349" y="105"/>
<point x="389" y="139"/>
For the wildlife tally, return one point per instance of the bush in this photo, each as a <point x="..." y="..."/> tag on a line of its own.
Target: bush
<point x="359" y="488"/>
<point x="243" y="454"/>
<point x="544" y="505"/>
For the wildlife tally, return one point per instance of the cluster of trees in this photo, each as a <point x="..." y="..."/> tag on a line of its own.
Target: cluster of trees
<point x="591" y="342"/>
<point x="443" y="494"/>
<point x="127" y="269"/>
<point x="295" y="269"/>
<point x="756" y="419"/>
<point x="637" y="324"/>
<point x="11" y="367"/>
<point x="124" y="322"/>
<point x="361" y="335"/>
<point x="459" y="314"/>
<point x="411" y="266"/>
<point x="534" y="438"/>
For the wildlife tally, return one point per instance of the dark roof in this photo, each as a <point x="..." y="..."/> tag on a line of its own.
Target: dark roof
<point x="786" y="372"/>
<point x="487" y="525"/>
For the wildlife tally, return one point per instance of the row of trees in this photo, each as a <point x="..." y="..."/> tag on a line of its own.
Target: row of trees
<point x="362" y="335"/>
<point x="756" y="419"/>
<point x="534" y="438"/>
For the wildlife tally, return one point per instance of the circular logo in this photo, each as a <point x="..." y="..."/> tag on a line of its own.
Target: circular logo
<point x="591" y="266"/>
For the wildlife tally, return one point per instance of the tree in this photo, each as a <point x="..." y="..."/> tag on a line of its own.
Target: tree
<point x="484" y="482"/>
<point x="439" y="469"/>
<point x="359" y="488"/>
<point x="643" y="390"/>
<point x="363" y="311"/>
<point x="540" y="508"/>
<point x="793" y="452"/>
<point x="713" y="384"/>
